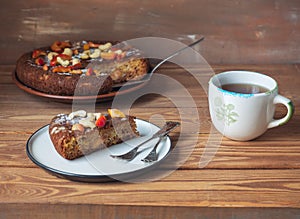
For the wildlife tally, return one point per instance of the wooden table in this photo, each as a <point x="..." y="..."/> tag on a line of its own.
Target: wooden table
<point x="259" y="178"/>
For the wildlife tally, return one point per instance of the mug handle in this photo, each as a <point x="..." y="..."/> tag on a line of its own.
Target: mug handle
<point x="290" y="107"/>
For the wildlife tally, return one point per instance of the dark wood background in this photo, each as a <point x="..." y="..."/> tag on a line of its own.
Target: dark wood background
<point x="236" y="31"/>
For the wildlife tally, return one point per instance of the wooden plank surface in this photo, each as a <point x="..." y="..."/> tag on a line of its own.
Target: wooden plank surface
<point x="71" y="211"/>
<point x="261" y="176"/>
<point x="280" y="143"/>
<point x="189" y="188"/>
<point x="255" y="179"/>
<point x="236" y="31"/>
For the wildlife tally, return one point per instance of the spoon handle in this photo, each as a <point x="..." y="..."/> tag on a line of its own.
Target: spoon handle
<point x="176" y="53"/>
<point x="169" y="126"/>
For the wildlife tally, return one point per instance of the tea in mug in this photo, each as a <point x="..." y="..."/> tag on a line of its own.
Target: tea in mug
<point x="245" y="115"/>
<point x="244" y="88"/>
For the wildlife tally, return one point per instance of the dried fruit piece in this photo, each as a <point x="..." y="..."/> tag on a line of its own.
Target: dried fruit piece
<point x="93" y="45"/>
<point x="53" y="62"/>
<point x="97" y="115"/>
<point x="61" y="69"/>
<point x="108" y="55"/>
<point x="78" y="113"/>
<point x="76" y="66"/>
<point x="68" y="51"/>
<point x="62" y="62"/>
<point x="105" y="47"/>
<point x="86" y="47"/>
<point x="45" y="67"/>
<point x="85" y="54"/>
<point x="95" y="54"/>
<point x="58" y="46"/>
<point x="118" y="51"/>
<point x="101" y="121"/>
<point x="51" y="55"/>
<point x="90" y="72"/>
<point x="78" y="127"/>
<point x="75" y="61"/>
<point x="75" y="51"/>
<point x="65" y="44"/>
<point x="36" y="53"/>
<point x="62" y="57"/>
<point x="87" y="123"/>
<point x="121" y="55"/>
<point x="39" y="61"/>
<point x="115" y="113"/>
<point x="76" y="71"/>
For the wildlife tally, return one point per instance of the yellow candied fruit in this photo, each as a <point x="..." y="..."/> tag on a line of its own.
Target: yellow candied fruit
<point x="86" y="47"/>
<point x="114" y="113"/>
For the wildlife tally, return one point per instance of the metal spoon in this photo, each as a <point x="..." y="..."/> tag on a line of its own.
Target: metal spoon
<point x="130" y="155"/>
<point x="148" y="76"/>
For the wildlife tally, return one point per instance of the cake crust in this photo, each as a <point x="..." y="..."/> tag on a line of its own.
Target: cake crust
<point x="60" y="84"/>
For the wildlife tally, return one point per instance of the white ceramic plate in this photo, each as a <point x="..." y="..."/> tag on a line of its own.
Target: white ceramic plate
<point x="98" y="166"/>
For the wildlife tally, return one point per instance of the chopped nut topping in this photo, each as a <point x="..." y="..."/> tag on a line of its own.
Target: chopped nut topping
<point x="105" y="47"/>
<point x="65" y="57"/>
<point x="78" y="127"/>
<point x="79" y="113"/>
<point x="95" y="54"/>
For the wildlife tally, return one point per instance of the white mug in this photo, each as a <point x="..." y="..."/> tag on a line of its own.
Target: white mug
<point x="244" y="116"/>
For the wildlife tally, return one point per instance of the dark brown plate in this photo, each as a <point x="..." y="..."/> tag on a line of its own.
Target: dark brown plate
<point x="69" y="99"/>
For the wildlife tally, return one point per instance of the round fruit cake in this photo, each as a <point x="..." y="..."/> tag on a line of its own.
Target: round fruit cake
<point x="80" y="68"/>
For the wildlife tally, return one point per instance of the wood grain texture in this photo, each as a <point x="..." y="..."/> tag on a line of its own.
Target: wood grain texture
<point x="255" y="179"/>
<point x="236" y="31"/>
<point x="71" y="211"/>
<point x="202" y="188"/>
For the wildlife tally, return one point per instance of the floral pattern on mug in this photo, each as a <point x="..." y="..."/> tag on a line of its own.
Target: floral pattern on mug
<point x="224" y="112"/>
